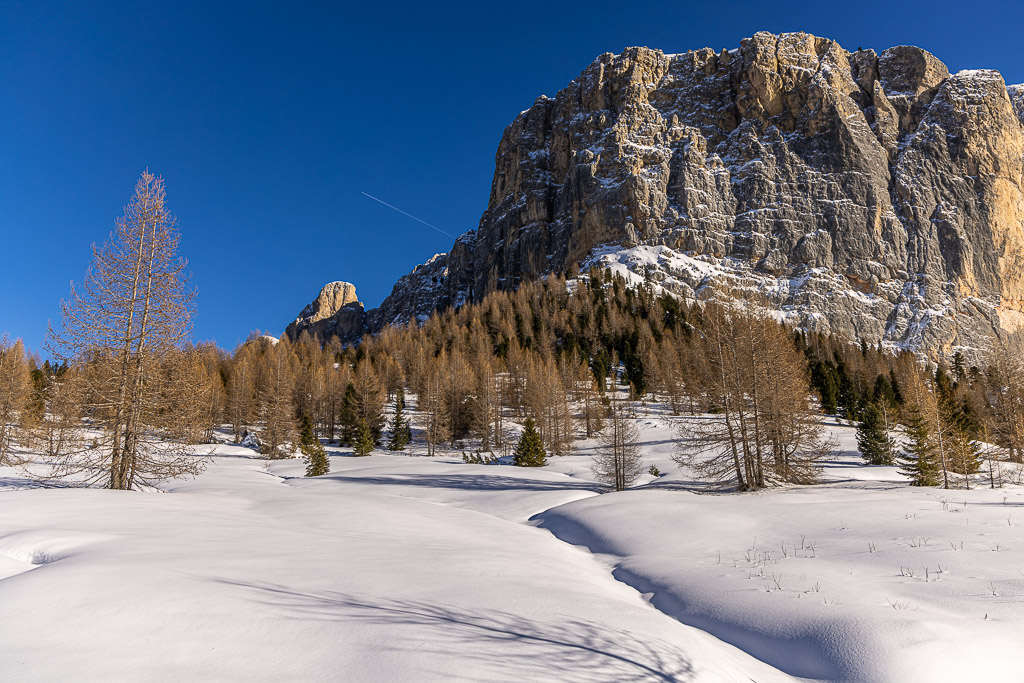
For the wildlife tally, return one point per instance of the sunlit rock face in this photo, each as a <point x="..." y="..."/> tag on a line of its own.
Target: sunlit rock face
<point x="335" y="312"/>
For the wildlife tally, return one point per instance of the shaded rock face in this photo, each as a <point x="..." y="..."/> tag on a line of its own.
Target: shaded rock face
<point x="873" y="196"/>
<point x="445" y="281"/>
<point x="336" y="312"/>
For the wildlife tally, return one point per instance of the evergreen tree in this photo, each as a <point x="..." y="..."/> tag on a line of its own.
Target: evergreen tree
<point x="959" y="367"/>
<point x="894" y="384"/>
<point x="530" y="449"/>
<point x="400" y="433"/>
<point x="825" y="379"/>
<point x="873" y="440"/>
<point x="313" y="452"/>
<point x="364" y="441"/>
<point x="883" y="391"/>
<point x="349" y="415"/>
<point x="849" y="396"/>
<point x="919" y="461"/>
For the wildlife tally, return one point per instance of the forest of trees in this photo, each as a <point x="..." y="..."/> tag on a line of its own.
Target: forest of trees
<point x="127" y="393"/>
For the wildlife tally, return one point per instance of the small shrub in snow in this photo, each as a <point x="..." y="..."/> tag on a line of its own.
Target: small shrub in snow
<point x="479" y="458"/>
<point x="250" y="440"/>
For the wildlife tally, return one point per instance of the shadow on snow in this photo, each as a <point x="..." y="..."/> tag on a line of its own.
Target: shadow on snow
<point x="549" y="647"/>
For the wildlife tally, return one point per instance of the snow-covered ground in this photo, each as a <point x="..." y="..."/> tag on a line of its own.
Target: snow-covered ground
<point x="411" y="568"/>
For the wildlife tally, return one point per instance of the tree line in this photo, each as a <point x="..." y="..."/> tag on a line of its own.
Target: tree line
<point x="575" y="354"/>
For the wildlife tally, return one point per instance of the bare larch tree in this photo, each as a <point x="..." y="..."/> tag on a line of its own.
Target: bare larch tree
<point x="618" y="462"/>
<point x="124" y="332"/>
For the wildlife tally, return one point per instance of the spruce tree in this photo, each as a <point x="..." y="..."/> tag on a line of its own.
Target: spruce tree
<point x="530" y="450"/>
<point x="873" y="440"/>
<point x="825" y="379"/>
<point x="400" y="432"/>
<point x="349" y="415"/>
<point x="919" y="461"/>
<point x="313" y="452"/>
<point x="364" y="441"/>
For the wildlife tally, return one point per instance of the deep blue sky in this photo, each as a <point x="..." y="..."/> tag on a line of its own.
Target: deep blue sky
<point x="267" y="120"/>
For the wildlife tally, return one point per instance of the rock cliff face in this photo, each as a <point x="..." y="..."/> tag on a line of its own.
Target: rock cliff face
<point x="335" y="312"/>
<point x="444" y="281"/>
<point x="873" y="196"/>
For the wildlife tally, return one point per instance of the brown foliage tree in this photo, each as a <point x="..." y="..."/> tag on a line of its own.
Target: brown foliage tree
<point x="124" y="329"/>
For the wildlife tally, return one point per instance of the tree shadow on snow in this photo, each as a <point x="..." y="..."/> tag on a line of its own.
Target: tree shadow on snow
<point x="474" y="482"/>
<point x="20" y="483"/>
<point x="549" y="648"/>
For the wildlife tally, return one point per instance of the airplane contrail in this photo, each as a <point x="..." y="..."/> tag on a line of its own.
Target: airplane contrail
<point x="405" y="213"/>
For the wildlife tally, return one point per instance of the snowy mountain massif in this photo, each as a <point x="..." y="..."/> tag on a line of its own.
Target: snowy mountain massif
<point x="874" y="196"/>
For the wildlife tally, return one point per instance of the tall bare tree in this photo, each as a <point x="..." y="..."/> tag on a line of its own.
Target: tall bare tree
<point x="432" y="402"/>
<point x="1005" y="394"/>
<point x="123" y="327"/>
<point x="276" y="385"/>
<point x="370" y="396"/>
<point x="764" y="429"/>
<point x="241" y="390"/>
<point x="618" y="462"/>
<point x="15" y="388"/>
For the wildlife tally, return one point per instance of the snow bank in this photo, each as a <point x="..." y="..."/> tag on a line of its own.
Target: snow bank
<point x="862" y="578"/>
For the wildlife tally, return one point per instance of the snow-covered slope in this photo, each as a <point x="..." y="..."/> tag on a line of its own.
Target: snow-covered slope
<point x="798" y="300"/>
<point x="390" y="569"/>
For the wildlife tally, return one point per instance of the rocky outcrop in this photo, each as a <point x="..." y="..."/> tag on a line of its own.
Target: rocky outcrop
<point x="870" y="195"/>
<point x="335" y="312"/>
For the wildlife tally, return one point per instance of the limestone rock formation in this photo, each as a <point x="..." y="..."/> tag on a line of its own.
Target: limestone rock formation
<point x="335" y="312"/>
<point x="1017" y="97"/>
<point x="870" y="195"/>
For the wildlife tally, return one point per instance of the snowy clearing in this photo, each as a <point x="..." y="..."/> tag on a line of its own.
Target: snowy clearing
<point x="409" y="568"/>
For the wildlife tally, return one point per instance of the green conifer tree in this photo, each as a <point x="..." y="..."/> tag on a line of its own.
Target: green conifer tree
<point x="920" y="460"/>
<point x="873" y="440"/>
<point x="401" y="435"/>
<point x="313" y="452"/>
<point x="826" y="381"/>
<point x="364" y="440"/>
<point x="348" y="416"/>
<point x="530" y="450"/>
